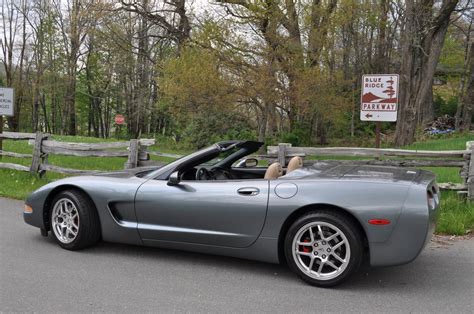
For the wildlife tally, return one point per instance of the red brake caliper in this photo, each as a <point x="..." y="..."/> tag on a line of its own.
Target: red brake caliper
<point x="305" y="249"/>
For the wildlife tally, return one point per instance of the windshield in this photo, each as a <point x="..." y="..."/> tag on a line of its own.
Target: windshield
<point x="222" y="155"/>
<point x="176" y="162"/>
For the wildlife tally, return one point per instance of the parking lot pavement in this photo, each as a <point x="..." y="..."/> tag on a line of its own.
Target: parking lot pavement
<point x="36" y="275"/>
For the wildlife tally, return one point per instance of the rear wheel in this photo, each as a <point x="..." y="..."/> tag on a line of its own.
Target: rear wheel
<point x="74" y="221"/>
<point x="324" y="248"/>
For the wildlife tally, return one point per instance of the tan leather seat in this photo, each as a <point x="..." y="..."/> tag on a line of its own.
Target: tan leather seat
<point x="295" y="163"/>
<point x="273" y="172"/>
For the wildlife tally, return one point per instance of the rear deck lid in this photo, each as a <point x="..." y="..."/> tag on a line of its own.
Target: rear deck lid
<point x="382" y="173"/>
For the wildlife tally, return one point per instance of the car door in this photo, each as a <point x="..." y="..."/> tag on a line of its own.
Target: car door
<point x="224" y="213"/>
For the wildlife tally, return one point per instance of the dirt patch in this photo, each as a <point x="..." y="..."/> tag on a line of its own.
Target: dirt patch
<point x="444" y="241"/>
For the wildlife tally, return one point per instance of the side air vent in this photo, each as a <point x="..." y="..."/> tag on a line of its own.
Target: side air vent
<point x="115" y="213"/>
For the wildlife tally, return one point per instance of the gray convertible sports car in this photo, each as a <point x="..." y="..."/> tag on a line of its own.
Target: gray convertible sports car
<point x="321" y="221"/>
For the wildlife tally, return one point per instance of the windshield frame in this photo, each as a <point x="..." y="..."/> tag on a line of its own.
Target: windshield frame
<point x="208" y="153"/>
<point x="164" y="172"/>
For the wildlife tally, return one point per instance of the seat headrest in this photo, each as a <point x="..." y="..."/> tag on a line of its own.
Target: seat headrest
<point x="274" y="171"/>
<point x="295" y="163"/>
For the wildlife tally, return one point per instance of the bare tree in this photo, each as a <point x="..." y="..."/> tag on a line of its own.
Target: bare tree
<point x="422" y="39"/>
<point x="14" y="28"/>
<point x="465" y="103"/>
<point x="74" y="26"/>
<point x="464" y="120"/>
<point x="172" y="17"/>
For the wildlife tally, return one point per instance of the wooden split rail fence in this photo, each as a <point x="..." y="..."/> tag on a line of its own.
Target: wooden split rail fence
<point x="137" y="154"/>
<point x="135" y="150"/>
<point x="462" y="159"/>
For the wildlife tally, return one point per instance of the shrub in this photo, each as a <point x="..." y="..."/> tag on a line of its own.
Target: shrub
<point x="209" y="128"/>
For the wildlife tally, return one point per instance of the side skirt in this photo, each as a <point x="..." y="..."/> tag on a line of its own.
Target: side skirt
<point x="264" y="249"/>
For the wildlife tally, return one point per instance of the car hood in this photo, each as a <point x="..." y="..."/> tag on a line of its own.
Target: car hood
<point x="128" y="173"/>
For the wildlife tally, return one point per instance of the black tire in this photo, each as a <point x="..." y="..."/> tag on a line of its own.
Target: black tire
<point x="88" y="232"/>
<point x="346" y="226"/>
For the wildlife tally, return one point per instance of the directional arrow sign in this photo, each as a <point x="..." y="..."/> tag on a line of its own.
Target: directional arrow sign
<point x="379" y="98"/>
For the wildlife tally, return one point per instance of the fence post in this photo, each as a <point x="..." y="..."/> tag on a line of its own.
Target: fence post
<point x="37" y="154"/>
<point x="132" y="154"/>
<point x="470" y="172"/>
<point x="282" y="153"/>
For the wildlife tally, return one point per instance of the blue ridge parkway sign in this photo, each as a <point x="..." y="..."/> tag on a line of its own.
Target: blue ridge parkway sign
<point x="379" y="98"/>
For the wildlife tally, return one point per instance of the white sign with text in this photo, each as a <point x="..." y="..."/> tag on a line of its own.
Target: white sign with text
<point x="379" y="98"/>
<point x="6" y="101"/>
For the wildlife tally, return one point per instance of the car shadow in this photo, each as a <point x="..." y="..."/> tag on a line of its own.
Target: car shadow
<point x="145" y="253"/>
<point x="366" y="279"/>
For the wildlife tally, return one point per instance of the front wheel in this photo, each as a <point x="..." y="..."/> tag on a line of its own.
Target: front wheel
<point x="74" y="221"/>
<point x="324" y="248"/>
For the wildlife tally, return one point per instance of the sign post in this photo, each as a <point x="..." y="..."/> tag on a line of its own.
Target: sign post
<point x="6" y="108"/>
<point x="379" y="100"/>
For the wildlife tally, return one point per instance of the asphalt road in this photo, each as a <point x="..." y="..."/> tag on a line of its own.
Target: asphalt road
<point x="36" y="275"/>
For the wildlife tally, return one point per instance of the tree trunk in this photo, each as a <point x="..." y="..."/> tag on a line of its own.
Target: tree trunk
<point x="262" y="123"/>
<point x="468" y="99"/>
<point x="468" y="50"/>
<point x="69" y="101"/>
<point x="422" y="41"/>
<point x="142" y="83"/>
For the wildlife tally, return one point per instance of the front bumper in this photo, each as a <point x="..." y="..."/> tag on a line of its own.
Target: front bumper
<point x="35" y="217"/>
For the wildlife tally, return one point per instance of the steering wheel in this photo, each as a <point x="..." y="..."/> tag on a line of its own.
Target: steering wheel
<point x="203" y="174"/>
<point x="219" y="172"/>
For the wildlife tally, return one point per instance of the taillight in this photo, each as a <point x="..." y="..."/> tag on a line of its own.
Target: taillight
<point x="379" y="221"/>
<point x="431" y="200"/>
<point x="435" y="191"/>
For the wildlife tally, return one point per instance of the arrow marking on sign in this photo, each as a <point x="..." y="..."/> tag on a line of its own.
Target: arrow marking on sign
<point x="368" y="116"/>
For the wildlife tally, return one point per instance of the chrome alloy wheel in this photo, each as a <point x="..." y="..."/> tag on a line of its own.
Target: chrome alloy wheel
<point x="65" y="220"/>
<point x="321" y="250"/>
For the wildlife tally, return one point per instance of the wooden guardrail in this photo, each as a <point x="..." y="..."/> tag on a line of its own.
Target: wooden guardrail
<point x="463" y="159"/>
<point x="135" y="150"/>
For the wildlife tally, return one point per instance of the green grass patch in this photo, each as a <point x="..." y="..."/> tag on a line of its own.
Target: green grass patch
<point x="456" y="214"/>
<point x="443" y="142"/>
<point x="18" y="184"/>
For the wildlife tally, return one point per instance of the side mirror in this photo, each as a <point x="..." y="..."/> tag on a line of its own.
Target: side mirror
<point x="251" y="162"/>
<point x="173" y="179"/>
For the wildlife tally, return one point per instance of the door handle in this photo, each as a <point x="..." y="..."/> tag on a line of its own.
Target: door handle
<point x="248" y="191"/>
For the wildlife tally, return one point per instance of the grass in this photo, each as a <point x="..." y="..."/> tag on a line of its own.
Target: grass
<point x="456" y="215"/>
<point x="446" y="142"/>
<point x="18" y="184"/>
<point x="450" y="142"/>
